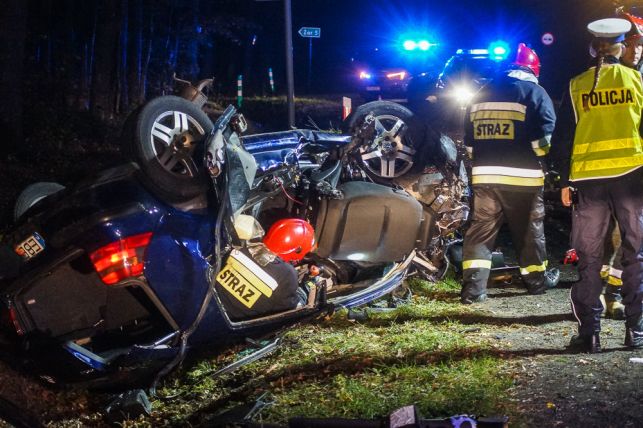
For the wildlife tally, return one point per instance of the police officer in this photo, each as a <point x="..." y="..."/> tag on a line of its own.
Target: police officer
<point x="507" y="131"/>
<point x="612" y="269"/>
<point x="598" y="134"/>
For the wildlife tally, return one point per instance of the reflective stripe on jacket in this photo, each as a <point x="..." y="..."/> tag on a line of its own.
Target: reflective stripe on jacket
<point x="508" y="130"/>
<point x="607" y="141"/>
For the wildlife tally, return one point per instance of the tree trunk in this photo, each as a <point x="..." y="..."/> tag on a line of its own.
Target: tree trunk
<point x="122" y="93"/>
<point x="134" y="75"/>
<point x="71" y="65"/>
<point x="146" y="59"/>
<point x="188" y="66"/>
<point x="47" y="38"/>
<point x="102" y="93"/>
<point x="13" y="22"/>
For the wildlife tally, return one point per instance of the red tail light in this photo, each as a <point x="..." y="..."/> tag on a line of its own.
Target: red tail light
<point x="121" y="259"/>
<point x="13" y="316"/>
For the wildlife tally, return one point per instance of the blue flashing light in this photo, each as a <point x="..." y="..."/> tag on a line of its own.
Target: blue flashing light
<point x="410" y="45"/>
<point x="479" y="52"/>
<point x="459" y="51"/>
<point x="424" y="45"/>
<point x="498" y="50"/>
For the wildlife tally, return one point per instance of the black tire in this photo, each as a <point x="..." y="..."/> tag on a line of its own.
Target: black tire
<point x="402" y="157"/>
<point x="166" y="138"/>
<point x="32" y="194"/>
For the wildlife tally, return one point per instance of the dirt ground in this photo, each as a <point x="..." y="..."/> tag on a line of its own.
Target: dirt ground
<point x="553" y="386"/>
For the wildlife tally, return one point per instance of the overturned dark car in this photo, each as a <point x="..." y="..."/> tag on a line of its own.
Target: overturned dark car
<point x="208" y="238"/>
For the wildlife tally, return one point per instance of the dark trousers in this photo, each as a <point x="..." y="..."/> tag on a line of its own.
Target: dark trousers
<point x="598" y="200"/>
<point x="524" y="212"/>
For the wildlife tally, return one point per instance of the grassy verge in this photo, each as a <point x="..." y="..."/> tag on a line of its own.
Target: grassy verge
<point x="416" y="354"/>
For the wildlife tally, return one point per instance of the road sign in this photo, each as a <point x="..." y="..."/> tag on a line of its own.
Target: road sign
<point x="547" y="39"/>
<point x="314" y="32"/>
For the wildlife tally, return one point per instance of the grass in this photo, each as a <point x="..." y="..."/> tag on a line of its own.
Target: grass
<point x="416" y="354"/>
<point x="437" y="390"/>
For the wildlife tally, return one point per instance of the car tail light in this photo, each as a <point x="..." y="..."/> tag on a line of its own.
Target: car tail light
<point x="121" y="259"/>
<point x="400" y="75"/>
<point x="13" y="316"/>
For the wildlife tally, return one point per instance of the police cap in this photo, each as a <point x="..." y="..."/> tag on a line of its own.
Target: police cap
<point x="610" y="30"/>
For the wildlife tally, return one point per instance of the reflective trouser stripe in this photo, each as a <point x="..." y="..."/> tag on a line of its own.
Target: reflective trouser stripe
<point x="504" y="179"/>
<point x="533" y="268"/>
<point x="611" y="275"/>
<point x="613" y="281"/>
<point x="507" y="170"/>
<point x="507" y="175"/>
<point x="476" y="264"/>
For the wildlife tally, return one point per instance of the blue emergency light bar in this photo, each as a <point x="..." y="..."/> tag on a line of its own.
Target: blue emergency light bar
<point x="497" y="51"/>
<point x="423" y="45"/>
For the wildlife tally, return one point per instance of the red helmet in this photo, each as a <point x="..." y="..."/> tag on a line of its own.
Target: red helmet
<point x="290" y="238"/>
<point x="526" y="57"/>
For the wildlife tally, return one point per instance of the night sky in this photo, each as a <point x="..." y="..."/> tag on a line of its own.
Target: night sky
<point x="350" y="27"/>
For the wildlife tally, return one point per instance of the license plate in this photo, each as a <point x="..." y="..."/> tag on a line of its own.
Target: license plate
<point x="31" y="246"/>
<point x="372" y="88"/>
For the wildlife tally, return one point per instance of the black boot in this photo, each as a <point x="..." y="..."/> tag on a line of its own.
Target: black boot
<point x="634" y="334"/>
<point x="590" y="344"/>
<point x="470" y="300"/>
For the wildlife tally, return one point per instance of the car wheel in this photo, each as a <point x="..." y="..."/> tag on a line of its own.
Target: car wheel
<point x="391" y="154"/>
<point x="32" y="194"/>
<point x="166" y="138"/>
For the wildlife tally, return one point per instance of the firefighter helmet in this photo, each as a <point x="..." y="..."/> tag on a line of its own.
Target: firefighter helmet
<point x="290" y="238"/>
<point x="526" y="57"/>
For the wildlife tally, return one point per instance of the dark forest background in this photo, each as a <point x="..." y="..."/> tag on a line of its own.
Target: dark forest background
<point x="74" y="64"/>
<point x="103" y="58"/>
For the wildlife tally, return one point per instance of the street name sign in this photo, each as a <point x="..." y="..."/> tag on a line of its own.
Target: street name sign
<point x="313" y="32"/>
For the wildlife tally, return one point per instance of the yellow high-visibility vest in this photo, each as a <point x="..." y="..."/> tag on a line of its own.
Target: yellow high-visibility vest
<point x="607" y="141"/>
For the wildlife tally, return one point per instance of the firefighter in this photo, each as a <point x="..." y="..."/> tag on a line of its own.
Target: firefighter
<point x="598" y="135"/>
<point x="611" y="272"/>
<point x="508" y="128"/>
<point x="633" y="43"/>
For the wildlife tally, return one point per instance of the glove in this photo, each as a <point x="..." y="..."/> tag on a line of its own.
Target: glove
<point x="571" y="258"/>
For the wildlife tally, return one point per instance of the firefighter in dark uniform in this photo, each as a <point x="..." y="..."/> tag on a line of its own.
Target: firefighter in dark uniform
<point x="507" y="131"/>
<point x="599" y="137"/>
